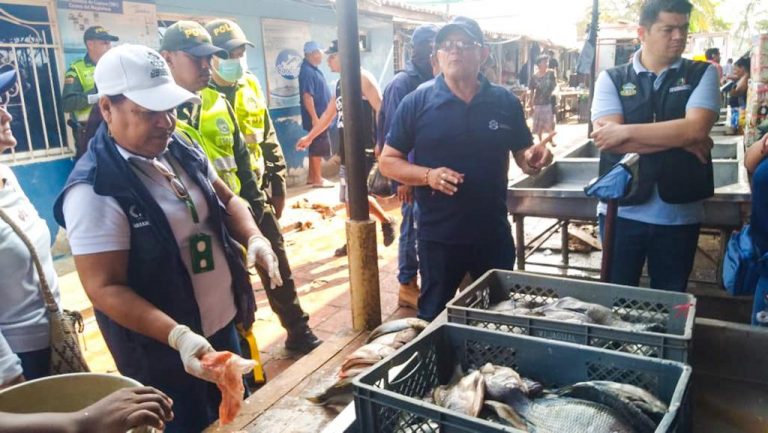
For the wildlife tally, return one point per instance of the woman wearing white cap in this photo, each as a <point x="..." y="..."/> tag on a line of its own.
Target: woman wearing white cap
<point x="155" y="237"/>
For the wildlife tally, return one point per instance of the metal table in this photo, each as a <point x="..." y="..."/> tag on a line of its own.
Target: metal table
<point x="557" y="192"/>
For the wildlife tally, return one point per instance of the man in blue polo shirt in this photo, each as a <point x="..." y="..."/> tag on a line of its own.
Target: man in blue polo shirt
<point x="461" y="130"/>
<point x="315" y="96"/>
<point x="662" y="107"/>
<point x="417" y="71"/>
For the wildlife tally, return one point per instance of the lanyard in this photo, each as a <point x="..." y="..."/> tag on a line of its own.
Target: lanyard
<point x="179" y="189"/>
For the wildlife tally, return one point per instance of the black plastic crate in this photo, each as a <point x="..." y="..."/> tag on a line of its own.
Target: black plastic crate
<point x="388" y="397"/>
<point x="674" y="312"/>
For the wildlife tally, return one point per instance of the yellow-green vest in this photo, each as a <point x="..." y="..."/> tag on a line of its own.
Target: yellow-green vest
<point x="251" y="112"/>
<point x="84" y="73"/>
<point x="214" y="134"/>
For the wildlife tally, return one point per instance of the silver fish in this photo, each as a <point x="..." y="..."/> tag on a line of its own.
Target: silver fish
<point x="610" y="396"/>
<point x="398" y="325"/>
<point x="503" y="306"/>
<point x="586" y="312"/>
<point x="370" y="354"/>
<point x="339" y="390"/>
<point x="502" y="413"/>
<point x="465" y="396"/>
<point x="388" y="337"/>
<point x="500" y="381"/>
<point x="564" y="414"/>
<point x="648" y="403"/>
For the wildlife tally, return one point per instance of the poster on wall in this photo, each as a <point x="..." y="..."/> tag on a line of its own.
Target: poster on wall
<point x="283" y="45"/>
<point x="133" y="22"/>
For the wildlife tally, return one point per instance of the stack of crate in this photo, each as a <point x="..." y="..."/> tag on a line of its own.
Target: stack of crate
<point x="389" y="398"/>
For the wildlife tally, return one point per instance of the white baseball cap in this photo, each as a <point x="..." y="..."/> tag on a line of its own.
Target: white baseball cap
<point x="141" y="75"/>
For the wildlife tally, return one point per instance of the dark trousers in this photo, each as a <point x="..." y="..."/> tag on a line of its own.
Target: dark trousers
<point x="282" y="299"/>
<point x="443" y="266"/>
<point x="407" y="261"/>
<point x="669" y="250"/>
<point x="36" y="364"/>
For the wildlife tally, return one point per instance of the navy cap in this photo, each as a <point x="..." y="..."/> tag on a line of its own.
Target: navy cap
<point x="227" y="34"/>
<point x="334" y="48"/>
<point x="424" y="34"/>
<point x="7" y="80"/>
<point x="311" y="47"/>
<point x="467" y="25"/>
<point x="99" y="33"/>
<point x="192" y="38"/>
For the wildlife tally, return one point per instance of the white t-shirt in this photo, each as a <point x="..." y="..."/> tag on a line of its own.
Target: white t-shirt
<point x="23" y="318"/>
<point x="97" y="224"/>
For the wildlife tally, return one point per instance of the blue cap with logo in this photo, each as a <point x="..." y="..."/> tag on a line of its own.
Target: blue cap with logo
<point x="7" y="80"/>
<point x="467" y="25"/>
<point x="311" y="47"/>
<point x="424" y="34"/>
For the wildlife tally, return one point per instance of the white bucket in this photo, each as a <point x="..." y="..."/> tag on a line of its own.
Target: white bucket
<point x="64" y="393"/>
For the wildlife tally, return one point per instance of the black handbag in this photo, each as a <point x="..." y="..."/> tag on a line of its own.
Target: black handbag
<point x="378" y="184"/>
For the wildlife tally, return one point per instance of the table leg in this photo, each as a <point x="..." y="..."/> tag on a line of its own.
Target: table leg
<point x="564" y="251"/>
<point x="520" y="241"/>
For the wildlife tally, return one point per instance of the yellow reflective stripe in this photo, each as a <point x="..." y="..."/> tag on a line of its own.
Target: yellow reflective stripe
<point x="224" y="163"/>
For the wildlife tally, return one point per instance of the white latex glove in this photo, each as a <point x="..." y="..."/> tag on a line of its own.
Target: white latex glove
<point x="260" y="252"/>
<point x="191" y="347"/>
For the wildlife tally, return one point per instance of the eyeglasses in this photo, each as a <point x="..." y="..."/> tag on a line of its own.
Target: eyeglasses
<point x="459" y="45"/>
<point x="178" y="188"/>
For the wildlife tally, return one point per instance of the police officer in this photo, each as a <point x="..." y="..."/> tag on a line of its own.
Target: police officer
<point x="243" y="91"/>
<point x="78" y="81"/>
<point x="661" y="106"/>
<point x="187" y="48"/>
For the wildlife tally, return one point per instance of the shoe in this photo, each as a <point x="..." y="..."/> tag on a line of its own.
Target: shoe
<point x="302" y="340"/>
<point x="324" y="184"/>
<point x="388" y="230"/>
<point x="409" y="295"/>
<point x="341" y="251"/>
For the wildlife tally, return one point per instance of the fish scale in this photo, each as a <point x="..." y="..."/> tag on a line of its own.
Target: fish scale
<point x="562" y="414"/>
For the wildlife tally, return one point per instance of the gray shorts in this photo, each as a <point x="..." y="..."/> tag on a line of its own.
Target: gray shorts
<point x="343" y="191"/>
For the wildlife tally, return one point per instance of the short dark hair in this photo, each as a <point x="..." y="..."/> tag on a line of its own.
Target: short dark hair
<point x="542" y="58"/>
<point x="743" y="62"/>
<point x="116" y="99"/>
<point x="711" y="52"/>
<point x="651" y="9"/>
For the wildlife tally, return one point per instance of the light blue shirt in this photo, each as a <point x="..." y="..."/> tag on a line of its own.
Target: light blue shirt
<point x="606" y="102"/>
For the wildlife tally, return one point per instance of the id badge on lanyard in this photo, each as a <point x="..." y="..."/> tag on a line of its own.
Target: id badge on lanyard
<point x="200" y="244"/>
<point x="201" y="252"/>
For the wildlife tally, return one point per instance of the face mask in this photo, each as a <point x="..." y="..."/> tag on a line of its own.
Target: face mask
<point x="230" y="69"/>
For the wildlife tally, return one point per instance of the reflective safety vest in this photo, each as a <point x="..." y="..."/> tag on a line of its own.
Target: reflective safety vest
<point x="251" y="112"/>
<point x="214" y="134"/>
<point x="84" y="73"/>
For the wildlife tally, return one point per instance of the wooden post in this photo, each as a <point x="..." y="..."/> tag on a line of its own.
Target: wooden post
<point x="361" y="231"/>
<point x="363" y="274"/>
